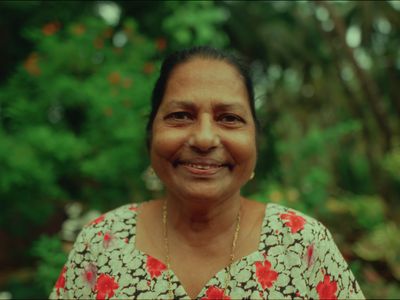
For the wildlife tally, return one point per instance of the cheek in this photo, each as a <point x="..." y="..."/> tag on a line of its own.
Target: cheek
<point x="166" y="143"/>
<point x="243" y="149"/>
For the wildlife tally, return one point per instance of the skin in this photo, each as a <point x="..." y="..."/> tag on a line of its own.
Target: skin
<point x="203" y="148"/>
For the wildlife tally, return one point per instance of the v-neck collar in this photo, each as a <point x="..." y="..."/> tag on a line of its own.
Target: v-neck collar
<point x="252" y="257"/>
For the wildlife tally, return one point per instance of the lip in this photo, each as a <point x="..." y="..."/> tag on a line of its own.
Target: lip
<point x="202" y="166"/>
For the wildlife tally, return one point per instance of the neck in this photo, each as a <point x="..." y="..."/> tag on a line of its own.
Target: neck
<point x="199" y="222"/>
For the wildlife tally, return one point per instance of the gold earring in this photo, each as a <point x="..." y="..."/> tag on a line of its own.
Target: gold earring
<point x="252" y="175"/>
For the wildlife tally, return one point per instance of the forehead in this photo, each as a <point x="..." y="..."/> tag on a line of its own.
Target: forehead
<point x="202" y="80"/>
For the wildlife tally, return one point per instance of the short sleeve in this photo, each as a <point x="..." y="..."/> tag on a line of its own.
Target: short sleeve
<point x="330" y="276"/>
<point x="76" y="279"/>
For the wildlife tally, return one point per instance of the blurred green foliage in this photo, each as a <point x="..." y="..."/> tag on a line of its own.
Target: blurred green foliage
<point x="382" y="244"/>
<point x="53" y="257"/>
<point x="74" y="104"/>
<point x="73" y="114"/>
<point x="391" y="164"/>
<point x="194" y="23"/>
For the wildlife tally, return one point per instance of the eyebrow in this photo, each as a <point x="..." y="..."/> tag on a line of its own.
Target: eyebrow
<point x="192" y="105"/>
<point x="181" y="103"/>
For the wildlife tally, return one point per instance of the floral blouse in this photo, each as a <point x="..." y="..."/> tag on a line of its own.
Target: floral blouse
<point x="296" y="259"/>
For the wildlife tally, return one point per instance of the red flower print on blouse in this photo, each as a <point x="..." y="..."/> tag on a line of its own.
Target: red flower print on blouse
<point x="105" y="287"/>
<point x="295" y="222"/>
<point x="90" y="274"/>
<point x="154" y="266"/>
<point x="265" y="275"/>
<point x="107" y="239"/>
<point x="60" y="284"/>
<point x="97" y="220"/>
<point x="327" y="289"/>
<point x="133" y="207"/>
<point x="215" y="293"/>
<point x="310" y="255"/>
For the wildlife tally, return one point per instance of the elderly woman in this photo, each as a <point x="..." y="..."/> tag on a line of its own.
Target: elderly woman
<point x="203" y="240"/>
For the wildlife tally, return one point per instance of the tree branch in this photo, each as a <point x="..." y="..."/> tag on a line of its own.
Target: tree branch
<point x="368" y="86"/>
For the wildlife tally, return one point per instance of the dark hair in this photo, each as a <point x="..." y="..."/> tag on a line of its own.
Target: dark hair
<point x="183" y="56"/>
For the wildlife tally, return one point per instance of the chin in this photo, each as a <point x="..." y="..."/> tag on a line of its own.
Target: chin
<point x="202" y="193"/>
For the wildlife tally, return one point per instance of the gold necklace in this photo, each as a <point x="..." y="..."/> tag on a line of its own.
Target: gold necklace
<point x="167" y="258"/>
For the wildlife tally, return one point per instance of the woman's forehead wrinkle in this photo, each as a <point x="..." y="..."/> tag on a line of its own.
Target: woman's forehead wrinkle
<point x="180" y="104"/>
<point x="230" y="106"/>
<point x="216" y="105"/>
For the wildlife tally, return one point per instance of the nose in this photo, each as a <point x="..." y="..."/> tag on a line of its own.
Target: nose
<point x="204" y="136"/>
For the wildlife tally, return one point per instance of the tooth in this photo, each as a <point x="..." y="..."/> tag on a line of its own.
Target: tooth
<point x="203" y="167"/>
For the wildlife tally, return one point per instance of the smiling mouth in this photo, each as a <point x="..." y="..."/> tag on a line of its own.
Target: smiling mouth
<point x="202" y="166"/>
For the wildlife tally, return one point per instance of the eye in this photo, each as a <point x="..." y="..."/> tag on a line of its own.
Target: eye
<point x="231" y="119"/>
<point x="179" y="116"/>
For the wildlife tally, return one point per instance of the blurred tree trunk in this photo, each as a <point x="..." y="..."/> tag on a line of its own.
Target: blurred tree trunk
<point x="393" y="95"/>
<point x="372" y="94"/>
<point x="368" y="86"/>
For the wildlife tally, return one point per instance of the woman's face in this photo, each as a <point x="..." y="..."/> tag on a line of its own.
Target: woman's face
<point x="203" y="140"/>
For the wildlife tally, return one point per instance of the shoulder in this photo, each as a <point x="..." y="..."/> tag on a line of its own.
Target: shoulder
<point x="120" y="221"/>
<point x="123" y="213"/>
<point x="285" y="220"/>
<point x="100" y="241"/>
<point x="287" y="213"/>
